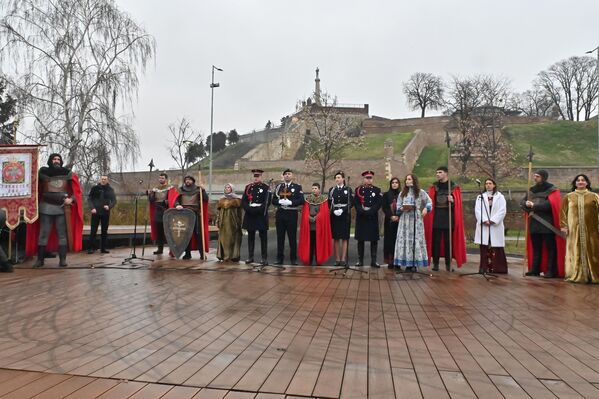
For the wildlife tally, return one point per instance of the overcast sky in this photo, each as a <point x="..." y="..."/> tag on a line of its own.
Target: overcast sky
<point x="365" y="50"/>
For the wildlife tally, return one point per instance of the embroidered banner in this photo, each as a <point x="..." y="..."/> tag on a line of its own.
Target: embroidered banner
<point x="18" y="183"/>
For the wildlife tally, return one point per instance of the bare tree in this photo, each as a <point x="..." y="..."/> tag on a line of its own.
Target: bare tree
<point x="75" y="68"/>
<point x="424" y="90"/>
<point x="572" y="86"/>
<point x="184" y="145"/>
<point x="534" y="102"/>
<point x="470" y="100"/>
<point x="330" y="133"/>
<point x="492" y="154"/>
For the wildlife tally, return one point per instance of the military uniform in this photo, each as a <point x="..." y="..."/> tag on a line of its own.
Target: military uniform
<point x="367" y="201"/>
<point x="340" y="197"/>
<point x="286" y="218"/>
<point x="255" y="202"/>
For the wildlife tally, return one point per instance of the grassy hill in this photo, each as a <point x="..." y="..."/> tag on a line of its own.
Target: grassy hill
<point x="374" y="145"/>
<point x="559" y="143"/>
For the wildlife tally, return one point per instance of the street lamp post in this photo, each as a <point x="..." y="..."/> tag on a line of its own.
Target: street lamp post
<point x="213" y="85"/>
<point x="597" y="69"/>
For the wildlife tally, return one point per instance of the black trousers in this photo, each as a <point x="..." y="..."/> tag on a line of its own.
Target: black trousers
<point x="374" y="245"/>
<point x="313" y="246"/>
<point x="286" y="222"/>
<point x="102" y="220"/>
<point x="263" y="243"/>
<point x="439" y="234"/>
<point x="160" y="237"/>
<point x="197" y="232"/>
<point x="537" y="241"/>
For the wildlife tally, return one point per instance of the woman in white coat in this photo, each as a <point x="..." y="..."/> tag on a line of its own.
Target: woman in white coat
<point x="490" y="209"/>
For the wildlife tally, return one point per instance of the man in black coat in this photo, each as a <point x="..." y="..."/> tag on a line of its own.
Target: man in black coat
<point x="367" y="201"/>
<point x="289" y="199"/>
<point x="101" y="200"/>
<point x="255" y="202"/>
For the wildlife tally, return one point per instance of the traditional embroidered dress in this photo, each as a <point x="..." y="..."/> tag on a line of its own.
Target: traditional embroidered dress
<point x="229" y="227"/>
<point x="580" y="214"/>
<point x="410" y="244"/>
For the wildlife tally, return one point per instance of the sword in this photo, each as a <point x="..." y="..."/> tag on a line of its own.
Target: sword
<point x="547" y="224"/>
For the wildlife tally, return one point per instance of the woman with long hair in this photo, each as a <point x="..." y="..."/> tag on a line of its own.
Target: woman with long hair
<point x="490" y="209"/>
<point x="579" y="219"/>
<point x="391" y="221"/>
<point x="413" y="204"/>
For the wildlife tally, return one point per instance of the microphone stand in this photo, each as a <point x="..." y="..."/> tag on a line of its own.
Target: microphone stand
<point x="143" y="245"/>
<point x="133" y="256"/>
<point x="483" y="271"/>
<point x="347" y="267"/>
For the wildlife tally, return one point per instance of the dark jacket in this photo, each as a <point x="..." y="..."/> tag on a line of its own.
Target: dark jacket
<point x="101" y="195"/>
<point x="542" y="207"/>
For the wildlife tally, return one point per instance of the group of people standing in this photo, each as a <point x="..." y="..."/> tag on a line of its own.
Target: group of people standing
<point x="325" y="224"/>
<point x="420" y="227"/>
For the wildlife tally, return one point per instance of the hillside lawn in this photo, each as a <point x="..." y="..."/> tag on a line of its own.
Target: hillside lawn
<point x="374" y="145"/>
<point x="559" y="143"/>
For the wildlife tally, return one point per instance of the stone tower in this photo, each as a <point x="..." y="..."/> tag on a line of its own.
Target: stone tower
<point x="317" y="88"/>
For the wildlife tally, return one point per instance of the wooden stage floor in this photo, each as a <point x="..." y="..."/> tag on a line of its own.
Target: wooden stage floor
<point x="191" y="329"/>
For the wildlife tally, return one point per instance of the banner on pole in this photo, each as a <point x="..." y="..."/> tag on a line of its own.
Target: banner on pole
<point x="18" y="183"/>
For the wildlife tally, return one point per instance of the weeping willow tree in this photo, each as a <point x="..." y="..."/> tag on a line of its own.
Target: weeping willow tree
<point x="74" y="66"/>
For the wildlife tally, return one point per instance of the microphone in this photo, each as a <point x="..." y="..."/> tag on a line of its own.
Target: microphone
<point x="140" y="181"/>
<point x="477" y="181"/>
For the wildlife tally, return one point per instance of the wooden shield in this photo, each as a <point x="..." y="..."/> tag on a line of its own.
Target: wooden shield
<point x="178" y="229"/>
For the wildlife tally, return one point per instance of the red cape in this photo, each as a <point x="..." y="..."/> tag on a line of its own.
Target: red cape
<point x="324" y="245"/>
<point x="33" y="230"/>
<point x="458" y="238"/>
<point x="172" y="196"/>
<point x="153" y="231"/>
<point x="555" y="201"/>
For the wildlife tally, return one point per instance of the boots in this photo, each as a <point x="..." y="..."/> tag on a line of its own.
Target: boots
<point x="62" y="255"/>
<point x="264" y="251"/>
<point x="373" y="249"/>
<point x="251" y="244"/>
<point x="187" y="254"/>
<point x="159" y="250"/>
<point x="360" y="261"/>
<point x="41" y="252"/>
<point x="103" y="246"/>
<point x="5" y="265"/>
<point x="551" y="270"/>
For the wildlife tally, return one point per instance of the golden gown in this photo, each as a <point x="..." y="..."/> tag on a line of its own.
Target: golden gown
<point x="580" y="215"/>
<point x="229" y="229"/>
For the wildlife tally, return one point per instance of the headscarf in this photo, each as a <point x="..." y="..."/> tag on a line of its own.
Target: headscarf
<point x="232" y="194"/>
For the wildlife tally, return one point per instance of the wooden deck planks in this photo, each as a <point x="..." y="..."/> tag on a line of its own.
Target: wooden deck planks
<point x="299" y="333"/>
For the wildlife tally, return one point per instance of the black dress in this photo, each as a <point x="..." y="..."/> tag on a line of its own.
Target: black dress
<point x="390" y="228"/>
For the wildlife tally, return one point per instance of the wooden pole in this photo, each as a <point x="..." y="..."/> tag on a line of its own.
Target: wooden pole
<point x="448" y="141"/>
<point x="526" y="217"/>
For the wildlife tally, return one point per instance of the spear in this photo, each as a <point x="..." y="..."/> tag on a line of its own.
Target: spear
<point x="526" y="217"/>
<point x="448" y="141"/>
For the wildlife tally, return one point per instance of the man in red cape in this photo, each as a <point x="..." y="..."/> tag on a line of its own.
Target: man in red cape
<point x="546" y="251"/>
<point x="436" y="222"/>
<point x="61" y="213"/>
<point x="315" y="239"/>
<point x="158" y="199"/>
<point x="188" y="196"/>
